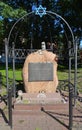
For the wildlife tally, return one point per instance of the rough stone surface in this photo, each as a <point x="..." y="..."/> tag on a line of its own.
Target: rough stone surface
<point x="46" y="86"/>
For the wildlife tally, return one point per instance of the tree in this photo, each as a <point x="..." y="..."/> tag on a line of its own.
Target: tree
<point x="8" y="17"/>
<point x="38" y="28"/>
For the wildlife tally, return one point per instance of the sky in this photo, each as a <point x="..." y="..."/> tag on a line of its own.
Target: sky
<point x="81" y="44"/>
<point x="1" y="18"/>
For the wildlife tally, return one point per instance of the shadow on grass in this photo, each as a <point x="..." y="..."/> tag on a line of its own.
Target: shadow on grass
<point x="55" y="118"/>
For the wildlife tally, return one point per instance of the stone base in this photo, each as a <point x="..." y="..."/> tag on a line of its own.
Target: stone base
<point x="40" y="98"/>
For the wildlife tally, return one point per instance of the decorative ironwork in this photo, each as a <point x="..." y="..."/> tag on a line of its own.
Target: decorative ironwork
<point x="15" y="53"/>
<point x="40" y="11"/>
<point x="21" y="53"/>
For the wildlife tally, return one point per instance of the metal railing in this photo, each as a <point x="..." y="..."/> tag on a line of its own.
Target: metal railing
<point x="7" y="99"/>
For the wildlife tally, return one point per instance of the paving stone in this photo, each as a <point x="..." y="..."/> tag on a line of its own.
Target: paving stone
<point x="51" y="119"/>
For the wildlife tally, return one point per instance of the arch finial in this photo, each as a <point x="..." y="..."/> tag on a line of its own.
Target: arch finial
<point x="40" y="11"/>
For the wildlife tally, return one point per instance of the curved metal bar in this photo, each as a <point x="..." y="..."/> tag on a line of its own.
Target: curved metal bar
<point x="49" y="12"/>
<point x="16" y="23"/>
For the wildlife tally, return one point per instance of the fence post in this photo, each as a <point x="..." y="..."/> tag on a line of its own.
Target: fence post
<point x="13" y="56"/>
<point x="75" y="74"/>
<point x="10" y="106"/>
<point x="70" y="107"/>
<point x="6" y="55"/>
<point x="0" y="81"/>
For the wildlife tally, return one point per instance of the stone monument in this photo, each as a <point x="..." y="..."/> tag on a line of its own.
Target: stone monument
<point x="40" y="72"/>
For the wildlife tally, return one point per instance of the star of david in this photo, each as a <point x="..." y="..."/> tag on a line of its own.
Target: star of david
<point x="40" y="11"/>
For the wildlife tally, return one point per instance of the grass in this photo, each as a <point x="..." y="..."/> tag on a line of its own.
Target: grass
<point x="37" y="129"/>
<point x="62" y="75"/>
<point x="25" y="101"/>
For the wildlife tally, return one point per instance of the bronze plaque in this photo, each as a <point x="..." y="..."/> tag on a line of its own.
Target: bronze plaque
<point x="40" y="72"/>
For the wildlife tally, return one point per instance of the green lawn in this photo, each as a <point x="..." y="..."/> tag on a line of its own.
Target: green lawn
<point x="62" y="75"/>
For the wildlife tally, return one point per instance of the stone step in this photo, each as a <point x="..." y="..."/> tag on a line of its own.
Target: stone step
<point x="40" y="98"/>
<point x="4" y="126"/>
<point x="23" y="109"/>
<point x="34" y="107"/>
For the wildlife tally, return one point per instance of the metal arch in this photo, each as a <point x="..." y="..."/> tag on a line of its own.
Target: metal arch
<point x="47" y="12"/>
<point x="50" y="12"/>
<point x="16" y="23"/>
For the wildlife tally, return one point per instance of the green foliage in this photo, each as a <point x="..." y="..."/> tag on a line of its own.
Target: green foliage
<point x="1" y="29"/>
<point x="8" y="12"/>
<point x="70" y="10"/>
